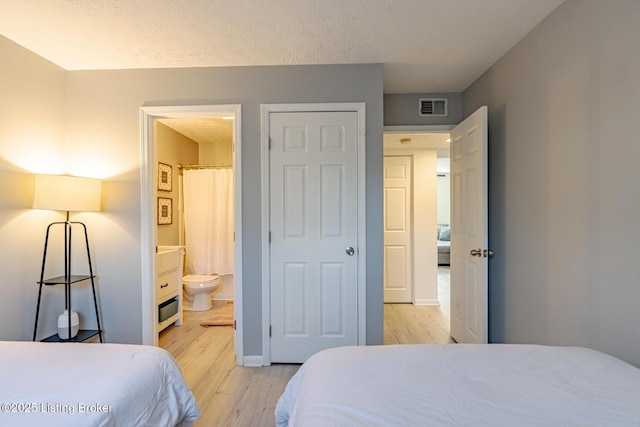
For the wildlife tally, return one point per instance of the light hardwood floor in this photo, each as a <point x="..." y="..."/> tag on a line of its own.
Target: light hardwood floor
<point x="227" y="394"/>
<point x="230" y="395"/>
<point x="411" y="324"/>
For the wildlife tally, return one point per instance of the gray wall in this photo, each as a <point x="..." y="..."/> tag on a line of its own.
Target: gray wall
<point x="32" y="100"/>
<point x="563" y="180"/>
<point x="103" y="119"/>
<point x="402" y="109"/>
<point x="87" y="123"/>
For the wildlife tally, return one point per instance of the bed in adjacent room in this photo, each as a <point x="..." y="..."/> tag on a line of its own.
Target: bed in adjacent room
<point x="70" y="384"/>
<point x="461" y="385"/>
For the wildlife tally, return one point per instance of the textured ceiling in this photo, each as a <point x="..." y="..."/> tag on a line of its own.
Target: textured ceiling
<point x="202" y="129"/>
<point x="425" y="45"/>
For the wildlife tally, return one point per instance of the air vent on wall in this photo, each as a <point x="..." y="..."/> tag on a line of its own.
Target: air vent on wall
<point x="432" y="107"/>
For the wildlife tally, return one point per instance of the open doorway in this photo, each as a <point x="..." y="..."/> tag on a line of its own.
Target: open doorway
<point x="414" y="192"/>
<point x="201" y="149"/>
<point x="444" y="229"/>
<point x="185" y="123"/>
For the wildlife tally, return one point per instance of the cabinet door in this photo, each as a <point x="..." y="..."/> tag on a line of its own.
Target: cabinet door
<point x="167" y="284"/>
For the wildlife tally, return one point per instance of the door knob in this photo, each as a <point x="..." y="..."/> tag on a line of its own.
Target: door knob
<point x="350" y="251"/>
<point x="476" y="252"/>
<point x="488" y="253"/>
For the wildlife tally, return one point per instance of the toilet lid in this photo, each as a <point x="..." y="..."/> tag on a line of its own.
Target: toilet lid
<point x="200" y="278"/>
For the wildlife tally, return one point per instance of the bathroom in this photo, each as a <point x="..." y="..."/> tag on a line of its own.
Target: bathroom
<point x="195" y="212"/>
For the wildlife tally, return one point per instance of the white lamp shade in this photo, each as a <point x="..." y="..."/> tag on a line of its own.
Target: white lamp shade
<point x="67" y="193"/>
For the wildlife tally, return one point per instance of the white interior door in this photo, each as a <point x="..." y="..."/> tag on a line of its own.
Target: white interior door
<point x="398" y="254"/>
<point x="469" y="231"/>
<point x="314" y="233"/>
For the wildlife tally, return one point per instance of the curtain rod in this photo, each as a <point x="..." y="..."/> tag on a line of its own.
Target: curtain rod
<point x="213" y="166"/>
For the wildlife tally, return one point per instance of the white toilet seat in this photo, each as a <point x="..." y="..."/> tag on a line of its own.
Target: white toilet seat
<point x="198" y="289"/>
<point x="194" y="279"/>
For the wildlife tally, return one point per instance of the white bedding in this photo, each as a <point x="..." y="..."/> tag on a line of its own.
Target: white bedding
<point x="70" y="384"/>
<point x="461" y="385"/>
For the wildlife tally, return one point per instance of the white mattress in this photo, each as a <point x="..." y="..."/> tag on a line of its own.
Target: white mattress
<point x="70" y="384"/>
<point x="461" y="385"/>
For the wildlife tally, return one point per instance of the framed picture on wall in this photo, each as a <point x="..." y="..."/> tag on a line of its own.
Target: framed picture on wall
<point x="165" y="210"/>
<point x="164" y="176"/>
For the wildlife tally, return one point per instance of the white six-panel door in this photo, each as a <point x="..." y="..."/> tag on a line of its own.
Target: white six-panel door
<point x="469" y="230"/>
<point x="314" y="229"/>
<point x="398" y="270"/>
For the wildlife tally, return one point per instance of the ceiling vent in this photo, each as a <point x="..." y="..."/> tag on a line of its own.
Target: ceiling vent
<point x="432" y="107"/>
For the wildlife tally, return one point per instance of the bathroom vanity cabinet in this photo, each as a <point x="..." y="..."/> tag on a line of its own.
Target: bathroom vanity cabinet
<point x="169" y="285"/>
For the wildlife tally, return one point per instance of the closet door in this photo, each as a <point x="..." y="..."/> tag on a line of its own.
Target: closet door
<point x="314" y="233"/>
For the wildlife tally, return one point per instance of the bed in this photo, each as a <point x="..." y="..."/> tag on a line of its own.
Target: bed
<point x="67" y="384"/>
<point x="461" y="385"/>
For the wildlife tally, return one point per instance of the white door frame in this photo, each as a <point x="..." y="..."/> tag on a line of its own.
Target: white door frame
<point x="266" y="110"/>
<point x="148" y="116"/>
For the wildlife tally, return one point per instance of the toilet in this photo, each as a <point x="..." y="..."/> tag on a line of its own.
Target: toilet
<point x="197" y="291"/>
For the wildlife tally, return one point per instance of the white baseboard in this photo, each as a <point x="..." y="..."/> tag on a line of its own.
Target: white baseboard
<point x="427" y="302"/>
<point x="252" y="361"/>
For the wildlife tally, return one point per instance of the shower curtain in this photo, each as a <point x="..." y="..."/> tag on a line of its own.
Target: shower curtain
<point x="208" y="221"/>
